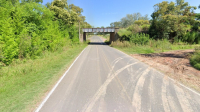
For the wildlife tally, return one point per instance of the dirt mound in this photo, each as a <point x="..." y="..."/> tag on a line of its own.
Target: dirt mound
<point x="175" y="64"/>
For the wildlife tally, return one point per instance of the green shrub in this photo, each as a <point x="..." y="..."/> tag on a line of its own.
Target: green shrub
<point x="124" y="35"/>
<point x="140" y="39"/>
<point x="191" y="37"/>
<point x="120" y="44"/>
<point x="141" y="22"/>
<point x="197" y="39"/>
<point x="135" y="28"/>
<point x="195" y="59"/>
<point x="145" y="27"/>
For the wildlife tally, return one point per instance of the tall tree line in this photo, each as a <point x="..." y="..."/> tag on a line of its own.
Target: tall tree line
<point x="28" y="28"/>
<point x="175" y="21"/>
<point x="128" y="20"/>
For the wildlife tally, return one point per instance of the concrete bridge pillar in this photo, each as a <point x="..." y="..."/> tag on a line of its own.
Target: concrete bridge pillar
<point x="116" y="35"/>
<point x="112" y="36"/>
<point x="84" y="36"/>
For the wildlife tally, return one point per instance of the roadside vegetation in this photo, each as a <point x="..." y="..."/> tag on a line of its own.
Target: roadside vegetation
<point x="195" y="59"/>
<point x="24" y="83"/>
<point x="151" y="46"/>
<point x="173" y="26"/>
<point x="29" y="28"/>
<point x="37" y="44"/>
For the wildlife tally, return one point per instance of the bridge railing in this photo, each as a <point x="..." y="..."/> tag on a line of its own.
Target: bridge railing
<point x="98" y="30"/>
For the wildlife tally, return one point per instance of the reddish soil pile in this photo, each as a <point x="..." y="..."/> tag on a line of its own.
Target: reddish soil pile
<point x="175" y="64"/>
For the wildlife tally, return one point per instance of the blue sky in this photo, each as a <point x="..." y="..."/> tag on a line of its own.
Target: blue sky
<point x="102" y="12"/>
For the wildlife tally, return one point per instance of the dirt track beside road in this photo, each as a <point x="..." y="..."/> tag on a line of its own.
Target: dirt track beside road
<point x="175" y="64"/>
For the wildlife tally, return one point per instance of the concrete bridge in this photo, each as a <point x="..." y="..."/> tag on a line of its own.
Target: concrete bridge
<point x="113" y="32"/>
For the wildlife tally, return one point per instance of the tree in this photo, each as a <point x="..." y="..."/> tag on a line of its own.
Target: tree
<point x="76" y="9"/>
<point x="129" y="20"/>
<point x="28" y="28"/>
<point x="197" y="15"/>
<point x="62" y="12"/>
<point x="141" y="22"/>
<point x="171" y="20"/>
<point x="115" y="24"/>
<point x="28" y="1"/>
<point x="180" y="6"/>
<point x="48" y="5"/>
<point x="162" y="9"/>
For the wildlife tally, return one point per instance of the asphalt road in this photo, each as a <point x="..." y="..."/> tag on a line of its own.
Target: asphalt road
<point x="104" y="79"/>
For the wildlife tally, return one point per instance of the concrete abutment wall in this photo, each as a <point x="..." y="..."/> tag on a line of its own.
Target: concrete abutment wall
<point x="84" y="36"/>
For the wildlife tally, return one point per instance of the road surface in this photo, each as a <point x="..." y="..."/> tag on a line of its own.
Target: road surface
<point x="104" y="79"/>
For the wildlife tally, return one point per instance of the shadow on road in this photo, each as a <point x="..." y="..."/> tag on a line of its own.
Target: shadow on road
<point x="177" y="54"/>
<point x="98" y="43"/>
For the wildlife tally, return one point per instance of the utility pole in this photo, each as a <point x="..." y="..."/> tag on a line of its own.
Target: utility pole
<point x="79" y="31"/>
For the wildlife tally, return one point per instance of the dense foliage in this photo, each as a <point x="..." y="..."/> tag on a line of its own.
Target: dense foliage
<point x="171" y="23"/>
<point x="175" y="21"/>
<point x="28" y="28"/>
<point x="195" y="59"/>
<point x="129" y="20"/>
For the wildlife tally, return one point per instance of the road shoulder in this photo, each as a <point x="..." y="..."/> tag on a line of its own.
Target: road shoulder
<point x="174" y="64"/>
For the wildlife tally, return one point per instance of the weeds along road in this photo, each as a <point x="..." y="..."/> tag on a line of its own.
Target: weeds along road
<point x="104" y="79"/>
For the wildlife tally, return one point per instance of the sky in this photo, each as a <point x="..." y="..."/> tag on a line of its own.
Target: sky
<point x="103" y="12"/>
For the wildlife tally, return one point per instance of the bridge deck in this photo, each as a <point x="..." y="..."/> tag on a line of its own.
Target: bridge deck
<point x="99" y="30"/>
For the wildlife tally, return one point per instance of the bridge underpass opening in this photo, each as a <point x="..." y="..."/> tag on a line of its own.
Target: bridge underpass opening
<point x="113" y="32"/>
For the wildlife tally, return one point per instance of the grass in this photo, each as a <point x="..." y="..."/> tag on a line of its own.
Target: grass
<point x="24" y="84"/>
<point x="157" y="47"/>
<point x="136" y="50"/>
<point x="151" y="47"/>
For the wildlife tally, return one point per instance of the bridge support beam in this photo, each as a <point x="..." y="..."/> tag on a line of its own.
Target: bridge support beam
<point x="112" y="36"/>
<point x="84" y="36"/>
<point x="116" y="35"/>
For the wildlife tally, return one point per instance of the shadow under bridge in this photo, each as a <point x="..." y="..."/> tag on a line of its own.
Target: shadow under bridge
<point x="113" y="32"/>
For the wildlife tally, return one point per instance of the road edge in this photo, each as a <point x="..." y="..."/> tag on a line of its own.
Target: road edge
<point x="53" y="89"/>
<point x="181" y="84"/>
